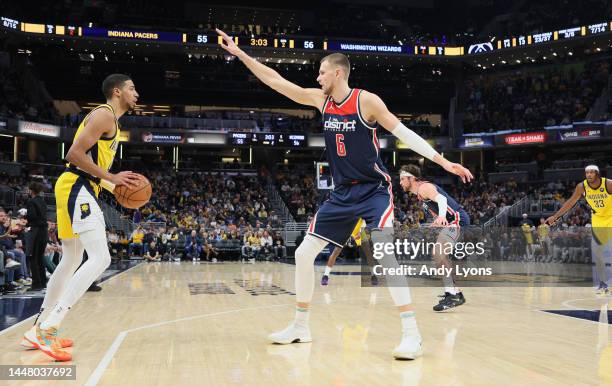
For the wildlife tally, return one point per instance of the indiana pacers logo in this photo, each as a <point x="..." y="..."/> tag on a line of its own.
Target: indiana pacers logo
<point x="85" y="211"/>
<point x="113" y="146"/>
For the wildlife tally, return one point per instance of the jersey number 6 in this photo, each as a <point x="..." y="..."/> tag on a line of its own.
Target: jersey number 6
<point x="340" y="147"/>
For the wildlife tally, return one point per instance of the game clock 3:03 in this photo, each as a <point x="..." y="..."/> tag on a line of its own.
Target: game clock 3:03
<point x="259" y="42"/>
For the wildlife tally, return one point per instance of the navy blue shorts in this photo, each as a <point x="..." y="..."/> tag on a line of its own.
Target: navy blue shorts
<point x="337" y="217"/>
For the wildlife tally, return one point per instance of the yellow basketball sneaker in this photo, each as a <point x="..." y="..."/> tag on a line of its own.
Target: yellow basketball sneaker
<point x="49" y="343"/>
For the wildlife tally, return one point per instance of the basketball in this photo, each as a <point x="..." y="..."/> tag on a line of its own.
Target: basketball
<point x="134" y="198"/>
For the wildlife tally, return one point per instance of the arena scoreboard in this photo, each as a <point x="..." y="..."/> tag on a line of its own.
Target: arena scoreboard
<point x="257" y="41"/>
<point x="267" y="139"/>
<point x="211" y="39"/>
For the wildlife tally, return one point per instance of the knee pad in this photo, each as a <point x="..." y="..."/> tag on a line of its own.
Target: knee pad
<point x="307" y="252"/>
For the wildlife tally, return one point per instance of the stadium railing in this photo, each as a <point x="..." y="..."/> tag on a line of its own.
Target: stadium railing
<point x="515" y="210"/>
<point x="292" y="231"/>
<point x="114" y="219"/>
<point x="279" y="203"/>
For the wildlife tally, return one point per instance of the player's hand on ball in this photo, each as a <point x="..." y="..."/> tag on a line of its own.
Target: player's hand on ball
<point x="458" y="169"/>
<point x="440" y="221"/>
<point x="126" y="178"/>
<point x="229" y="45"/>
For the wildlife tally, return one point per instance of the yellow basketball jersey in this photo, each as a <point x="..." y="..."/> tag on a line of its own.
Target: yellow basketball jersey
<point x="102" y="153"/>
<point x="527" y="232"/>
<point x="356" y="234"/>
<point x="543" y="231"/>
<point x="600" y="201"/>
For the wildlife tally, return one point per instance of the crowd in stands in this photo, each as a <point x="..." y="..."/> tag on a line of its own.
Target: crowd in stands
<point x="15" y="274"/>
<point x="227" y="216"/>
<point x="533" y="99"/>
<point x="481" y="200"/>
<point x="159" y="243"/>
<point x="206" y="214"/>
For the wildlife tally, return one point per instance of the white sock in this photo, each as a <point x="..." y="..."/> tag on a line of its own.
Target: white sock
<point x="449" y="285"/>
<point x="327" y="270"/>
<point x="301" y="317"/>
<point x="56" y="316"/>
<point x="409" y="325"/>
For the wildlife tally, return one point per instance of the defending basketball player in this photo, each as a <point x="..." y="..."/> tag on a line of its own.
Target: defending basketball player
<point x="597" y="192"/>
<point x="447" y="213"/>
<point x="363" y="186"/>
<point x="80" y="220"/>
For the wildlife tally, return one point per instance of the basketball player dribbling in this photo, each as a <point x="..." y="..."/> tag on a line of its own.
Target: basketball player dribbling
<point x="80" y="220"/>
<point x="363" y="186"/>
<point x="597" y="192"/>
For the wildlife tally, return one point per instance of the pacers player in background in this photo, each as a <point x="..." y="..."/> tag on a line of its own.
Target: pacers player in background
<point x="597" y="191"/>
<point x="80" y="220"/>
<point x="447" y="213"/>
<point x="364" y="254"/>
<point x="362" y="185"/>
<point x="356" y="235"/>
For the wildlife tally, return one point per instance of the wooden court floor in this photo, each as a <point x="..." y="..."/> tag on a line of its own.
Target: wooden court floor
<point x="204" y="324"/>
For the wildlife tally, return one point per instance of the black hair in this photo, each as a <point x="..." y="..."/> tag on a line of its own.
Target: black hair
<point x="112" y="82"/>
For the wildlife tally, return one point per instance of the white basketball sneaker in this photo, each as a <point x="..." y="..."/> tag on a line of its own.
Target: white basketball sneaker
<point x="291" y="334"/>
<point x="409" y="348"/>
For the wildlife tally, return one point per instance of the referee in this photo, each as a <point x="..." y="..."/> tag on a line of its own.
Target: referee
<point x="36" y="238"/>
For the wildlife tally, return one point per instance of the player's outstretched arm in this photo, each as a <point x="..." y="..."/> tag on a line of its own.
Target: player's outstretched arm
<point x="374" y="109"/>
<point x="97" y="125"/>
<point x="305" y="96"/>
<point x="567" y="205"/>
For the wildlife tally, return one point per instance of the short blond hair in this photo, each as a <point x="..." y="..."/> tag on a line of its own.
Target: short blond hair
<point x="338" y="59"/>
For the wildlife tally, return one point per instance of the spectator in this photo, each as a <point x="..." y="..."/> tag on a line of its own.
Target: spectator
<point x="137" y="239"/>
<point x="10" y="244"/>
<point x="152" y="253"/>
<point x="280" y="250"/>
<point x="113" y="242"/>
<point x="193" y="246"/>
<point x="267" y="245"/>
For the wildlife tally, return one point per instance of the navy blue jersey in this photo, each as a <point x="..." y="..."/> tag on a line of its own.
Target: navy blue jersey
<point x="352" y="144"/>
<point x="455" y="214"/>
